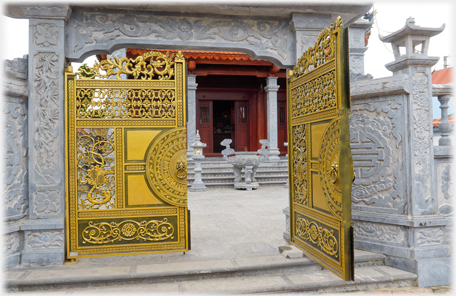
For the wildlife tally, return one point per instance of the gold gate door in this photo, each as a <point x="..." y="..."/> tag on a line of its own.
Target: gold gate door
<point x="320" y="162"/>
<point x="126" y="163"/>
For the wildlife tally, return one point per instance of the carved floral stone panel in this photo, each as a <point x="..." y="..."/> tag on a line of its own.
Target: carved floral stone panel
<point x="376" y="139"/>
<point x="95" y="28"/>
<point x="45" y="240"/>
<point x="46" y="202"/>
<point x="380" y="232"/>
<point x="15" y="176"/>
<point x="46" y="35"/>
<point x="46" y="118"/>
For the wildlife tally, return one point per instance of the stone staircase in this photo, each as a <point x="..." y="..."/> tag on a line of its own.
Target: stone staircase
<point x="263" y="274"/>
<point x="218" y="173"/>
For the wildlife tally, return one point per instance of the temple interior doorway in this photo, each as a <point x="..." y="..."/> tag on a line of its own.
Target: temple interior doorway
<point x="223" y="123"/>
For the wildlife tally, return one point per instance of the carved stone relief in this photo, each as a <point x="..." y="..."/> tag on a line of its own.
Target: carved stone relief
<point x="382" y="232"/>
<point x="423" y="200"/>
<point x="46" y="118"/>
<point x="46" y="202"/>
<point x="17" y="67"/>
<point x="46" y="35"/>
<point x="356" y="64"/>
<point x="94" y="28"/>
<point x="15" y="180"/>
<point x="445" y="188"/>
<point x="430" y="236"/>
<point x="45" y="240"/>
<point x="12" y="242"/>
<point x="356" y="37"/>
<point x="376" y="139"/>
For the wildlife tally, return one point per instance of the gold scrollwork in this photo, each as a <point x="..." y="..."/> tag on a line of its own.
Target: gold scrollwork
<point x="146" y="67"/>
<point x="125" y="103"/>
<point x="95" y="168"/>
<point x="322" y="52"/>
<point x="104" y="232"/>
<point x="315" y="95"/>
<point x="323" y="238"/>
<point x="300" y="164"/>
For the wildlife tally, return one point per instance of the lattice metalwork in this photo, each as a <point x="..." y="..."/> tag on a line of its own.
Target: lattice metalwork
<point x="320" y="161"/>
<point x="126" y="157"/>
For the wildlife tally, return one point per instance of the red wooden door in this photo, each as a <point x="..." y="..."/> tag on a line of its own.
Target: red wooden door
<point x="205" y="125"/>
<point x="282" y="126"/>
<point x="241" y="127"/>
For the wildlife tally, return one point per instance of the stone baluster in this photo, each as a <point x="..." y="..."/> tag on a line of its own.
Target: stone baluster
<point x="445" y="124"/>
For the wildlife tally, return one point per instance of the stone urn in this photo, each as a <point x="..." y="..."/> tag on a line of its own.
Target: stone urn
<point x="247" y="160"/>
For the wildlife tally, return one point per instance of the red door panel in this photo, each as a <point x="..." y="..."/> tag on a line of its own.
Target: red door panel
<point x="204" y="124"/>
<point x="242" y="126"/>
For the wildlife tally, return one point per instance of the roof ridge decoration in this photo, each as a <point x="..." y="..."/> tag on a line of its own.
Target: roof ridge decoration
<point x="150" y="65"/>
<point x="322" y="52"/>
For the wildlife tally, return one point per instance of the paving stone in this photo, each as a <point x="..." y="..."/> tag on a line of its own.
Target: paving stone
<point x="233" y="285"/>
<point x="71" y="274"/>
<point x="196" y="267"/>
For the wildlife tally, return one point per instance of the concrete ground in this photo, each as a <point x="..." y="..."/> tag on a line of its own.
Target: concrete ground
<point x="228" y="228"/>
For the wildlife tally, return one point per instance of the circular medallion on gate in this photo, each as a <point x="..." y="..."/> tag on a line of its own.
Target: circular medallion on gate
<point x="166" y="166"/>
<point x="329" y="167"/>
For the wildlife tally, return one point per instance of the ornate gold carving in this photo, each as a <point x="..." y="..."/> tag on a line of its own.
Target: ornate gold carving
<point x="97" y="112"/>
<point x="322" y="237"/>
<point x="300" y="164"/>
<point x="161" y="166"/>
<point x="125" y="103"/>
<point x="103" y="232"/>
<point x="322" y="52"/>
<point x="315" y="95"/>
<point x="329" y="168"/>
<point x="95" y="158"/>
<point x="146" y="67"/>
<point x="130" y="122"/>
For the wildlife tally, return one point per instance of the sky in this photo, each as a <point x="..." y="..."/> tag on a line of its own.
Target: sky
<point x="390" y="17"/>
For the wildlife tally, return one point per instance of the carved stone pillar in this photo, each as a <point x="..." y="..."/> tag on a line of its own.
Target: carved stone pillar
<point x="357" y="46"/>
<point x="191" y="113"/>
<point x="44" y="238"/>
<point x="271" y="92"/>
<point x="306" y="28"/>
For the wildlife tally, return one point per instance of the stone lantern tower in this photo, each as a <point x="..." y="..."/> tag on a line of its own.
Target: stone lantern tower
<point x="427" y="254"/>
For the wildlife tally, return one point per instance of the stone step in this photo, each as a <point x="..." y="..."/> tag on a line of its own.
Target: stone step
<point x="262" y="274"/>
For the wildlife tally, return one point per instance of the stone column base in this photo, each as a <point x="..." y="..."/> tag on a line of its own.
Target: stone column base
<point x="44" y="242"/>
<point x="274" y="155"/>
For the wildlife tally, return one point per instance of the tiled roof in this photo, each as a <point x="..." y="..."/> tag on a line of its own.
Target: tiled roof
<point x="200" y="54"/>
<point x="443" y="76"/>
<point x="435" y="122"/>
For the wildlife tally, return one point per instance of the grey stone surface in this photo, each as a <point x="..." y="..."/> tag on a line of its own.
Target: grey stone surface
<point x="290" y="252"/>
<point x="394" y="198"/>
<point x="271" y="94"/>
<point x="191" y="113"/>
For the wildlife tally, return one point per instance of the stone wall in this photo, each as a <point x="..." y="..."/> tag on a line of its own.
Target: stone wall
<point x="15" y="155"/>
<point x="396" y="209"/>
